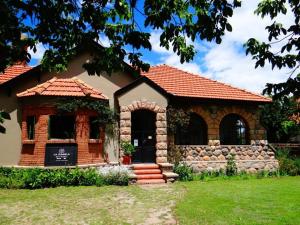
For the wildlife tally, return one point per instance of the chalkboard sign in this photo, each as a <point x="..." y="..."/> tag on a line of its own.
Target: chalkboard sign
<point x="61" y="155"/>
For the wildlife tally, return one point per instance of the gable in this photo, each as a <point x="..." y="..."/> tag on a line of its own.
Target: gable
<point x="142" y="91"/>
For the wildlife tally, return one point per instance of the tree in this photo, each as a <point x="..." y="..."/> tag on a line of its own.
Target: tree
<point x="3" y="116"/>
<point x="126" y="23"/>
<point x="287" y="37"/>
<point x="279" y="119"/>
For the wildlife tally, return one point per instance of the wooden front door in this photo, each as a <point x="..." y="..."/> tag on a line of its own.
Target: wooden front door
<point x="143" y="136"/>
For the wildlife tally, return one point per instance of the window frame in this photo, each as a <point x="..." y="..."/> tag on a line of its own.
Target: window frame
<point x="28" y="136"/>
<point x="234" y="135"/>
<point x="50" y="134"/>
<point x="188" y="138"/>
<point x="98" y="136"/>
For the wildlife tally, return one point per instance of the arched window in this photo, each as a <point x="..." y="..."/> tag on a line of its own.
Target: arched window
<point x="234" y="130"/>
<point x="195" y="134"/>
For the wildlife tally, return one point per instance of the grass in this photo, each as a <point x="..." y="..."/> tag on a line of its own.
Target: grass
<point x="253" y="201"/>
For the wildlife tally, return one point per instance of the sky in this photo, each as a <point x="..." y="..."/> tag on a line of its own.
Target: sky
<point x="226" y="62"/>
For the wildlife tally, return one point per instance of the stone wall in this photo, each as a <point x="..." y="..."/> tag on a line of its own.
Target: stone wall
<point x="250" y="158"/>
<point x="161" y="126"/>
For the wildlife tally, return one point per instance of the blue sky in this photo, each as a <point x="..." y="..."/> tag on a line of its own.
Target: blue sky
<point x="226" y="62"/>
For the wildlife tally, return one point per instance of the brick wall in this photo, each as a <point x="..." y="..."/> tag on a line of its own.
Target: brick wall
<point x="33" y="151"/>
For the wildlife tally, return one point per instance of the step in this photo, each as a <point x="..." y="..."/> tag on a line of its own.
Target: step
<point x="149" y="176"/>
<point x="145" y="166"/>
<point x="151" y="181"/>
<point x="147" y="171"/>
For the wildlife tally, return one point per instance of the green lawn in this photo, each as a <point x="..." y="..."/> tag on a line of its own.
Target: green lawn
<point x="254" y="201"/>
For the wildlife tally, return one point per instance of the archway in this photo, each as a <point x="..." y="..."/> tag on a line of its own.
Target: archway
<point x="195" y="134"/>
<point x="234" y="130"/>
<point x="143" y="135"/>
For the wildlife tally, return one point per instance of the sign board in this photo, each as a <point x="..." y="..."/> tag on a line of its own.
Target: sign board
<point x="135" y="142"/>
<point x="61" y="155"/>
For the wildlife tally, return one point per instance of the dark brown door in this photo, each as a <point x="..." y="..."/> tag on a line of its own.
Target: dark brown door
<point x="143" y="136"/>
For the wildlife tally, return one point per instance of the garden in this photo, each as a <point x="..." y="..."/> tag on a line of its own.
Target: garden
<point x="96" y="196"/>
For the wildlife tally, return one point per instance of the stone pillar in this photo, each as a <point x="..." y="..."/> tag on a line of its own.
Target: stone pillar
<point x="161" y="137"/>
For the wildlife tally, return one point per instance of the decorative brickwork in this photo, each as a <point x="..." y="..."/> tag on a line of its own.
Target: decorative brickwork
<point x="161" y="126"/>
<point x="213" y="115"/>
<point x="33" y="151"/>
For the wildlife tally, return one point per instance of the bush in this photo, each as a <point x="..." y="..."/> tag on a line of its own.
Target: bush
<point x="44" y="178"/>
<point x="184" y="172"/>
<point x="115" y="175"/>
<point x="231" y="168"/>
<point x="288" y="165"/>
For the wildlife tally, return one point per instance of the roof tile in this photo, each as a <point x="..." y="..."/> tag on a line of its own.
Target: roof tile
<point x="185" y="84"/>
<point x="63" y="87"/>
<point x="13" y="71"/>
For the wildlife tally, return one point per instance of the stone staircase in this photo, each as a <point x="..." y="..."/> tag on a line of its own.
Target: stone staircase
<point x="148" y="174"/>
<point x="153" y="173"/>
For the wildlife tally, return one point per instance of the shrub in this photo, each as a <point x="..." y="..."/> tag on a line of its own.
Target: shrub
<point x="114" y="175"/>
<point x="288" y="165"/>
<point x="184" y="171"/>
<point x="43" y="178"/>
<point x="231" y="168"/>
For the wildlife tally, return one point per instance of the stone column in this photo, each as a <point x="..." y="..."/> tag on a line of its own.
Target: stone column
<point x="161" y="137"/>
<point x="125" y="125"/>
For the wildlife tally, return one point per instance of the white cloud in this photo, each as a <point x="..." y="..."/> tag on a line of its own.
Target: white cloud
<point x="172" y="59"/>
<point x="227" y="62"/>
<point x="40" y="50"/>
<point x="104" y="41"/>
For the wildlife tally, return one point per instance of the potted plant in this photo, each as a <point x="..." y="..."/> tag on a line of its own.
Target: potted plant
<point x="128" y="149"/>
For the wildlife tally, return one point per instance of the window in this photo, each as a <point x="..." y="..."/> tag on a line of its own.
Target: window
<point x="61" y="127"/>
<point x="30" y="124"/>
<point x="233" y="130"/>
<point x="94" y="128"/>
<point x="195" y="134"/>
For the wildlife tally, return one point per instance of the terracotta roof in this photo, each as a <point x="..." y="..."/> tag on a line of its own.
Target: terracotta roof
<point x="13" y="71"/>
<point x="63" y="87"/>
<point x="185" y="84"/>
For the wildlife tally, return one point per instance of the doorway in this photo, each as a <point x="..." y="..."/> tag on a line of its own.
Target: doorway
<point x="143" y="136"/>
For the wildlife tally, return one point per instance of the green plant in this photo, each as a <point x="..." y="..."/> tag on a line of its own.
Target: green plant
<point x="105" y="115"/>
<point x="127" y="148"/>
<point x="231" y="168"/>
<point x="44" y="178"/>
<point x="121" y="179"/>
<point x="184" y="171"/>
<point x="288" y="165"/>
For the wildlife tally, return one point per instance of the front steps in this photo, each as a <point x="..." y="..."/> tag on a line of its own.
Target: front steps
<point x="153" y="173"/>
<point x="148" y="174"/>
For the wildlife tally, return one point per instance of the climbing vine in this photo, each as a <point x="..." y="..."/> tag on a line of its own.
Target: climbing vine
<point x="177" y="117"/>
<point x="105" y="115"/>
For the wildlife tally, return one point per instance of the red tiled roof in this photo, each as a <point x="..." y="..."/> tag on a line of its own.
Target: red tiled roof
<point x="13" y="71"/>
<point x="185" y="84"/>
<point x="63" y="87"/>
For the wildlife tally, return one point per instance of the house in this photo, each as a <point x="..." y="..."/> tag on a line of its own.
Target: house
<point x="223" y="120"/>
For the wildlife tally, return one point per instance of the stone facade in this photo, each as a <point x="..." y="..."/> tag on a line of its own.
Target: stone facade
<point x="250" y="158"/>
<point x="161" y="126"/>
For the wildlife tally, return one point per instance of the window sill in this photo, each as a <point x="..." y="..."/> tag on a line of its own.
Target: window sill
<point x="28" y="142"/>
<point x="61" y="141"/>
<point x="95" y="141"/>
